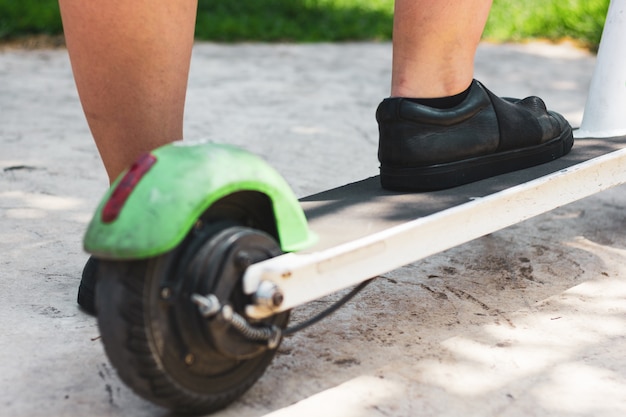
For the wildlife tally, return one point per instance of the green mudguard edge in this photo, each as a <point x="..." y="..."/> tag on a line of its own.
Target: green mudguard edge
<point x="182" y="184"/>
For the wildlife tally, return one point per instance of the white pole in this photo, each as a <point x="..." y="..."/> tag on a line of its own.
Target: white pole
<point x="605" y="110"/>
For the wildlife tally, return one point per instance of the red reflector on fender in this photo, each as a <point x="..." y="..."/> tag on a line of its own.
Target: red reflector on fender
<point x="122" y="191"/>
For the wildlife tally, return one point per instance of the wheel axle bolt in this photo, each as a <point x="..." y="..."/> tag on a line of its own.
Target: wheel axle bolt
<point x="277" y="298"/>
<point x="269" y="295"/>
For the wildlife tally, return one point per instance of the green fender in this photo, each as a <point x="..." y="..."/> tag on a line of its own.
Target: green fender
<point x="183" y="183"/>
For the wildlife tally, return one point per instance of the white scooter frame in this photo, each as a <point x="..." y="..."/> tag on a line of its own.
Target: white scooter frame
<point x="305" y="276"/>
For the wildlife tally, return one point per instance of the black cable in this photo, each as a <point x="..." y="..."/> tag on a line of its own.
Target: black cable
<point x="330" y="310"/>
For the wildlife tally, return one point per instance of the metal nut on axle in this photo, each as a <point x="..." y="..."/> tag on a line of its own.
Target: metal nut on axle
<point x="269" y="295"/>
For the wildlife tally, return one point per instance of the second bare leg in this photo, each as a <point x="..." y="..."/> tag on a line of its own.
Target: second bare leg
<point x="434" y="43"/>
<point x="131" y="62"/>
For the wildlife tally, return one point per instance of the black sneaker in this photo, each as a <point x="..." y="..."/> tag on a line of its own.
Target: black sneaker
<point x="423" y="148"/>
<point x="87" y="288"/>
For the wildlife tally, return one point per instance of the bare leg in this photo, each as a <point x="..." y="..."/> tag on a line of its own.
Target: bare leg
<point x="434" y="43"/>
<point x="131" y="62"/>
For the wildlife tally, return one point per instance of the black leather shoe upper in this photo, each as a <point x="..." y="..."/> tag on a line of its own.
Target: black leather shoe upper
<point x="413" y="135"/>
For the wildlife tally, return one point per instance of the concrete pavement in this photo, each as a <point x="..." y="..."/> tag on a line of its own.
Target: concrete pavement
<point x="527" y="321"/>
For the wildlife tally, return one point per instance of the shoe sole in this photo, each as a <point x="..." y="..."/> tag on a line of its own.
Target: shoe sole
<point x="87" y="289"/>
<point x="449" y="175"/>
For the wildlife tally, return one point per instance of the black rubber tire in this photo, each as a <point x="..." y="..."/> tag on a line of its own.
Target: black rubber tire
<point x="147" y="354"/>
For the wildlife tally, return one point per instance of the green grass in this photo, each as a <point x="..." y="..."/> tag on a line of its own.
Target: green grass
<point x="27" y="17"/>
<point x="336" y="20"/>
<point x="518" y="20"/>
<point x="295" y="20"/>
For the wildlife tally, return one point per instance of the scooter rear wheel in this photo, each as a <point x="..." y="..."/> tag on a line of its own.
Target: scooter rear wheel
<point x="155" y="336"/>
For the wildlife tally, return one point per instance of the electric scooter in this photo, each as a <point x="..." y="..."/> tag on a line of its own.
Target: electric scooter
<point x="204" y="250"/>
